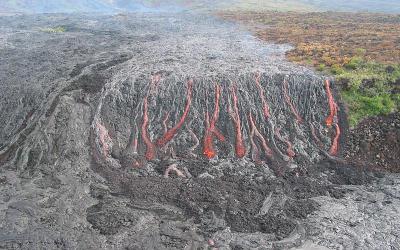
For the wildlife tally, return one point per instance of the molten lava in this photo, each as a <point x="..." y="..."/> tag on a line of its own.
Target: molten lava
<point x="335" y="143"/>
<point x="240" y="149"/>
<point x="289" y="102"/>
<point x="169" y="135"/>
<point x="332" y="105"/>
<point x="211" y="130"/>
<point x="263" y="99"/>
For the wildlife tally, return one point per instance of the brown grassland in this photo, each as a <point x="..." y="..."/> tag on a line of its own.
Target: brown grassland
<point x="362" y="50"/>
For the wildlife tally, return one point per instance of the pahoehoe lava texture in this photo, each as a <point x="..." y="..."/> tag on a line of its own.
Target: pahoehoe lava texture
<point x="175" y="131"/>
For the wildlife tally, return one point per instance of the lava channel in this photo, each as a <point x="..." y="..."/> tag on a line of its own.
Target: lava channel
<point x="289" y="149"/>
<point x="211" y="130"/>
<point x="332" y="105"/>
<point x="335" y="144"/>
<point x="169" y="135"/>
<point x="255" y="132"/>
<point x="262" y="96"/>
<point x="150" y="148"/>
<point x="289" y="102"/>
<point x="240" y="149"/>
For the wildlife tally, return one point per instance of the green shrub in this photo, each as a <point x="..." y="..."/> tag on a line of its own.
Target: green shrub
<point x="58" y="29"/>
<point x="337" y="69"/>
<point x="321" y="67"/>
<point x="362" y="106"/>
<point x="355" y="63"/>
<point x="360" y="51"/>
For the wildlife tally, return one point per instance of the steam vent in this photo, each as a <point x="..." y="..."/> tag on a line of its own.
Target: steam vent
<point x="174" y="131"/>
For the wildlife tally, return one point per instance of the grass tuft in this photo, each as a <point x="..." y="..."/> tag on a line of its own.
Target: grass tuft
<point x="59" y="29"/>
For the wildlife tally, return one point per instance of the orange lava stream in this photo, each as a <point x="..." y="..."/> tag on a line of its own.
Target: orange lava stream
<point x="289" y="102"/>
<point x="240" y="149"/>
<point x="335" y="144"/>
<point x="263" y="100"/>
<point x="211" y="130"/>
<point x="332" y="105"/>
<point x="289" y="149"/>
<point x="256" y="132"/>
<point x="169" y="135"/>
<point x="330" y="120"/>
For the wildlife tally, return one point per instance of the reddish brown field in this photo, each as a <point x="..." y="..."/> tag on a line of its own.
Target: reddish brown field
<point x="328" y="38"/>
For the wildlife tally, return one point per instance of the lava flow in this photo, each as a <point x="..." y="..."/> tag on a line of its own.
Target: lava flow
<point x="332" y="105"/>
<point x="240" y="149"/>
<point x="335" y="144"/>
<point x="171" y="133"/>
<point x="289" y="102"/>
<point x="263" y="100"/>
<point x="256" y="132"/>
<point x="211" y="130"/>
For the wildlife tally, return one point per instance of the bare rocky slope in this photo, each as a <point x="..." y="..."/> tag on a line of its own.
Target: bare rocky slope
<point x="175" y="131"/>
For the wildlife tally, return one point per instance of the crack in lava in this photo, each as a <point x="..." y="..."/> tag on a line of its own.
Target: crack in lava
<point x="289" y="102"/>
<point x="289" y="149"/>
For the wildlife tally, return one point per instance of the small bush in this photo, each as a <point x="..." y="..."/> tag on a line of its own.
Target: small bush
<point x="321" y="67"/>
<point x="354" y="63"/>
<point x="58" y="29"/>
<point x="337" y="69"/>
<point x="360" y="51"/>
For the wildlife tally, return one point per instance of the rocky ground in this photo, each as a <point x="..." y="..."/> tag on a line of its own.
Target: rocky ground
<point x="376" y="142"/>
<point x="175" y="132"/>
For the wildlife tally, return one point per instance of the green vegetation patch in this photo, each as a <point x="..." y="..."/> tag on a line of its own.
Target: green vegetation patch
<point x="59" y="29"/>
<point x="368" y="88"/>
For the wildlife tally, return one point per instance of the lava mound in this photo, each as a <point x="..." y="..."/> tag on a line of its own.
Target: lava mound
<point x="280" y="121"/>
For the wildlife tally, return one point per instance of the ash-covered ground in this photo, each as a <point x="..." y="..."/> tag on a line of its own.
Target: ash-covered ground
<point x="175" y="131"/>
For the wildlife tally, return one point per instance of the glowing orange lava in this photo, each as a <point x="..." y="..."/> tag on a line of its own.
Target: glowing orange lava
<point x="211" y="130"/>
<point x="332" y="105"/>
<point x="169" y="135"/>
<point x="335" y="144"/>
<point x="240" y="149"/>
